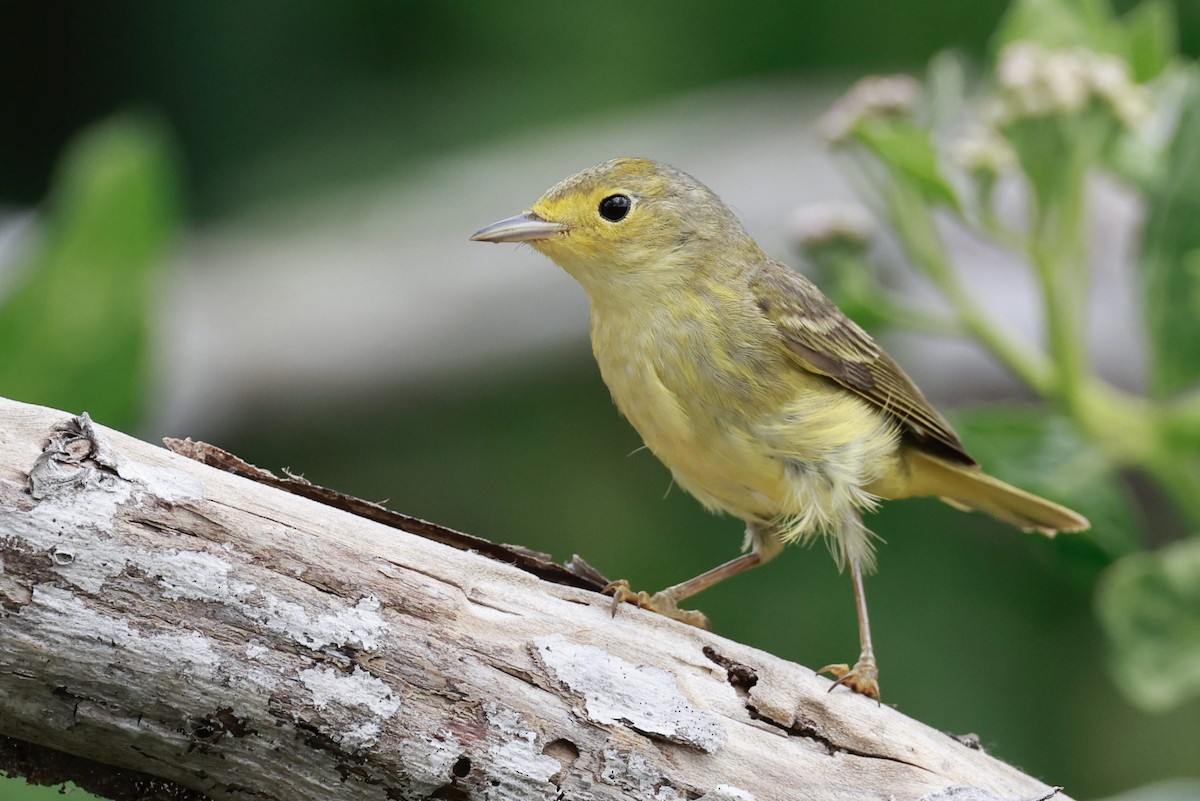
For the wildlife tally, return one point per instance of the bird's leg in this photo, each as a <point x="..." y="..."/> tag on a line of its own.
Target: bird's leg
<point x="666" y="602"/>
<point x="864" y="676"/>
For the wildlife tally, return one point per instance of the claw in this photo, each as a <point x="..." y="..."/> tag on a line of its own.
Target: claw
<point x="622" y="593"/>
<point x="660" y="603"/>
<point x="863" y="678"/>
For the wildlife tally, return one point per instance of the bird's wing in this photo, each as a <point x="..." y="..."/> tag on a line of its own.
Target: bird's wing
<point x="823" y="340"/>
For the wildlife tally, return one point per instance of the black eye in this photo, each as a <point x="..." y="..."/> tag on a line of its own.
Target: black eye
<point x="614" y="207"/>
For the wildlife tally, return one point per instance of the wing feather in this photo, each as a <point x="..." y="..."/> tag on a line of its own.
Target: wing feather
<point x="823" y="340"/>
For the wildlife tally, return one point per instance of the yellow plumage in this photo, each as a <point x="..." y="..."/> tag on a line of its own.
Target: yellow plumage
<point x="776" y="446"/>
<point x="764" y="400"/>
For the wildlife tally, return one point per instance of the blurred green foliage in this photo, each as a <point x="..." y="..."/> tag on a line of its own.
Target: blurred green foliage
<point x="255" y="90"/>
<point x="1075" y="91"/>
<point x="1150" y="606"/>
<point x="1146" y="37"/>
<point x="1170" y="258"/>
<point x="1045" y="453"/>
<point x="76" y="317"/>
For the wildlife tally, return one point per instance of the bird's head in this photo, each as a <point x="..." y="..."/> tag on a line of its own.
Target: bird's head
<point x="626" y="217"/>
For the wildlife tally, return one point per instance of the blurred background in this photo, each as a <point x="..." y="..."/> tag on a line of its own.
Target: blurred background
<point x="247" y="223"/>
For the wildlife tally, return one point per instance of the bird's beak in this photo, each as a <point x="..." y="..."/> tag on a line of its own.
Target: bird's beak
<point x="527" y="227"/>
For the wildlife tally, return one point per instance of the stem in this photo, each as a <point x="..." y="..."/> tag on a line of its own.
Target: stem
<point x="925" y="249"/>
<point x="1124" y="426"/>
<point x="1135" y="433"/>
<point x="1029" y="364"/>
<point x="1059" y="255"/>
<point x="858" y="284"/>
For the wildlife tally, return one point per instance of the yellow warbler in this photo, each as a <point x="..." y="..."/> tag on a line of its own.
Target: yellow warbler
<point x="760" y="395"/>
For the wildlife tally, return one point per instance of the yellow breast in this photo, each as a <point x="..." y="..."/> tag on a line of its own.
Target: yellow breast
<point x="740" y="427"/>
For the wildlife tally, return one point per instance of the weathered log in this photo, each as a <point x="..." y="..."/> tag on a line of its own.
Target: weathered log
<point x="162" y="617"/>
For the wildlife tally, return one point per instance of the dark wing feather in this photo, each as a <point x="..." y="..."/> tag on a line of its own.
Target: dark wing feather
<point x="827" y="342"/>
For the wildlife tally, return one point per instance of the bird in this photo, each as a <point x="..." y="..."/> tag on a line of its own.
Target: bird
<point x="764" y="400"/>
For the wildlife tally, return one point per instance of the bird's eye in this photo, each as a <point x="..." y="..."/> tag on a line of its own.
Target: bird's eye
<point x="614" y="207"/>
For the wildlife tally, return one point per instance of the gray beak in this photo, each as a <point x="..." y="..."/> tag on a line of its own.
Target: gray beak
<point x="527" y="227"/>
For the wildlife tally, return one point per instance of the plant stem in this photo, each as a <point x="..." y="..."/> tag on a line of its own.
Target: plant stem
<point x="1059" y="255"/>
<point x="1133" y="432"/>
<point x="924" y="247"/>
<point x="859" y="284"/>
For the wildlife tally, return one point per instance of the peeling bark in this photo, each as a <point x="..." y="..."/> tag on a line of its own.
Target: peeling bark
<point x="205" y="635"/>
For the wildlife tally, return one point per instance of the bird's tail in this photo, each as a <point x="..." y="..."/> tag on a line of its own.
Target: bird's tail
<point x="968" y="487"/>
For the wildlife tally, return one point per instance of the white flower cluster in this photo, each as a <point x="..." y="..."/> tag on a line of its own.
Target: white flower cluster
<point x="1038" y="82"/>
<point x="830" y="222"/>
<point x="983" y="149"/>
<point x="873" y="96"/>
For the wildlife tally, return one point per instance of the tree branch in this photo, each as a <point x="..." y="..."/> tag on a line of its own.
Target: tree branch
<point x="162" y="617"/>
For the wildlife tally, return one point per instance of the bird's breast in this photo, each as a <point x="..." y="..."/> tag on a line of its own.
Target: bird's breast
<point x="695" y="393"/>
<point x="740" y="427"/>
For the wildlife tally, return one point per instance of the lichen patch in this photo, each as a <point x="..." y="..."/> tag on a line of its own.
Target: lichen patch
<point x="615" y="691"/>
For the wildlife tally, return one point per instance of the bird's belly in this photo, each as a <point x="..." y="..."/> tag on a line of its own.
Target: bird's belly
<point x="723" y="467"/>
<point x="710" y="451"/>
<point x="807" y="458"/>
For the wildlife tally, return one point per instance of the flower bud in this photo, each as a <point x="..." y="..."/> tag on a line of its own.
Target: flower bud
<point x="831" y="224"/>
<point x="875" y="96"/>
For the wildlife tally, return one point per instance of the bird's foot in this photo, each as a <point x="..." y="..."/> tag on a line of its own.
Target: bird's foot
<point x="863" y="678"/>
<point x="660" y="602"/>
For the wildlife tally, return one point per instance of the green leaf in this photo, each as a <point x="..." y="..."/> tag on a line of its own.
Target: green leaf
<point x="1062" y="23"/>
<point x="1043" y="453"/>
<point x="74" y="327"/>
<point x="1170" y="258"/>
<point x="909" y="153"/>
<point x="1149" y="604"/>
<point x="1152" y="39"/>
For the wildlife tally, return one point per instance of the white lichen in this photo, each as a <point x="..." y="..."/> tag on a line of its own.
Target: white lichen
<point x="360" y="735"/>
<point x="726" y="792"/>
<point x="960" y="792"/>
<point x="357" y="689"/>
<point x="645" y="698"/>
<point x="165" y="483"/>
<point x="631" y="771"/>
<point x="428" y="763"/>
<point x="193" y="575"/>
<point x="517" y="768"/>
<point x="100" y="637"/>
<point x="360" y="625"/>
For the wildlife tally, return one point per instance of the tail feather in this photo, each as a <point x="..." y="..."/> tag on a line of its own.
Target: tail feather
<point x="968" y="487"/>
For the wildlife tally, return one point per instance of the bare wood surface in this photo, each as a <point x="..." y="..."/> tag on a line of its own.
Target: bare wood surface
<point x="163" y="617"/>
